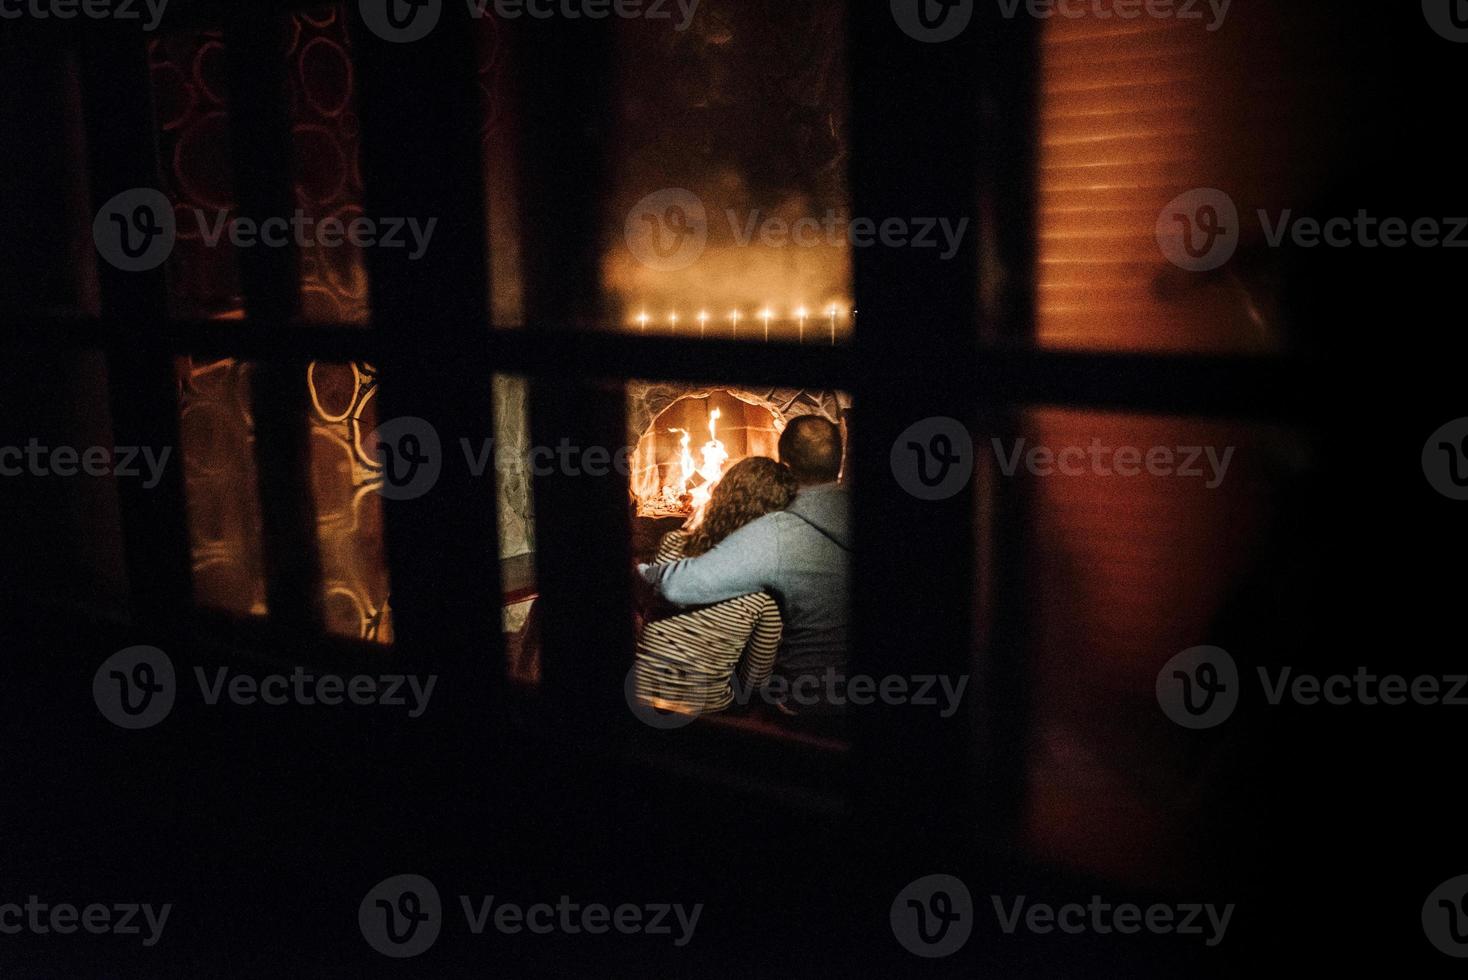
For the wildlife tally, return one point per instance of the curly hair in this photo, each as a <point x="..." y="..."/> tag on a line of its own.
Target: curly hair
<point x="750" y="488"/>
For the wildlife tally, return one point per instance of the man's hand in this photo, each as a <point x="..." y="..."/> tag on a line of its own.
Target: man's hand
<point x="645" y="599"/>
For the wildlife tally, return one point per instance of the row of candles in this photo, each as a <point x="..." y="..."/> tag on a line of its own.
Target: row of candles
<point x="765" y="316"/>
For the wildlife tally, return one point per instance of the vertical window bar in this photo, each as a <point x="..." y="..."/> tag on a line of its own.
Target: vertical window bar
<point x="143" y="391"/>
<point x="566" y="75"/>
<point x="421" y="159"/>
<point x="260" y="134"/>
<point x="915" y="154"/>
<point x="1011" y="56"/>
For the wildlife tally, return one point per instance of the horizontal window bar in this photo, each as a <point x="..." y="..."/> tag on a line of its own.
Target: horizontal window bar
<point x="1236" y="386"/>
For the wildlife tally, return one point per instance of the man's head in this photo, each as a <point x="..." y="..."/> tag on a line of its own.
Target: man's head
<point x="811" y="447"/>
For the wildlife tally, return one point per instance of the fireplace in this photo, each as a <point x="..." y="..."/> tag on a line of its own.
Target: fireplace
<point x="685" y="436"/>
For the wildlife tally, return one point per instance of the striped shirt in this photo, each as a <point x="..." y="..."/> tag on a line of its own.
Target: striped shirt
<point x="687" y="661"/>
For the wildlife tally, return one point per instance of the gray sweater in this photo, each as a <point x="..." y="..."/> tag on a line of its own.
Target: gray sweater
<point x="801" y="556"/>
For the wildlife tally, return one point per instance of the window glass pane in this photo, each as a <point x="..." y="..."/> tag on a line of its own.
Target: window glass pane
<point x="218" y="436"/>
<point x="713" y="660"/>
<point x="729" y="206"/>
<point x="729" y="212"/>
<point x="191" y="106"/>
<point x="327" y="179"/>
<point x="515" y="506"/>
<point x="498" y="122"/>
<point x="191" y="97"/>
<point x="1154" y="131"/>
<point x="345" y="475"/>
<point x="1144" y="535"/>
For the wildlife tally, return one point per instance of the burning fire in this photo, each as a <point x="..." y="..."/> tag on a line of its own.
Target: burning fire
<point x="707" y="473"/>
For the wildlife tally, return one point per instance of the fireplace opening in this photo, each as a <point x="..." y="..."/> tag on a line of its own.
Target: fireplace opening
<point x="683" y="454"/>
<point x="686" y="437"/>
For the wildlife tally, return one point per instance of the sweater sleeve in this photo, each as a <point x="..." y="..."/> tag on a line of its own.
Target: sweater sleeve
<point x="670" y="549"/>
<point x="742" y="563"/>
<point x="764" y="642"/>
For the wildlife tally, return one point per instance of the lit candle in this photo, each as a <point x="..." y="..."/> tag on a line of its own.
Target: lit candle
<point x="767" y="314"/>
<point x="833" y="326"/>
<point x="703" y="320"/>
<point x="734" y="319"/>
<point x="673" y="321"/>
<point x="800" y="313"/>
<point x="642" y="320"/>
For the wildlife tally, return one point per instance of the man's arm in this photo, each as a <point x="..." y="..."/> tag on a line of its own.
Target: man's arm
<point x="740" y="564"/>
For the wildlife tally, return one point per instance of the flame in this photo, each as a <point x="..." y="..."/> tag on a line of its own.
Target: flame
<point x="685" y="460"/>
<point x="715" y="454"/>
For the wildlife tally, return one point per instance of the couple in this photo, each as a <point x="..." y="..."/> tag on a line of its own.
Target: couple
<point x="768" y="569"/>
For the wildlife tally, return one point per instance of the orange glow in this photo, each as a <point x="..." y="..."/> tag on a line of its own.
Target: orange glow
<point x="715" y="454"/>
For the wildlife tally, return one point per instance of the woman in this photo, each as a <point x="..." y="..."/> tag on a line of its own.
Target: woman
<point x="687" y="661"/>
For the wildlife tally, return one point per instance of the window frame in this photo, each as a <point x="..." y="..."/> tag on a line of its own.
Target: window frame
<point x="970" y="360"/>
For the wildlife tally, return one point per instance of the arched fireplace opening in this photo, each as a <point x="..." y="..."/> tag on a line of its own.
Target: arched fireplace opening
<point x="687" y="436"/>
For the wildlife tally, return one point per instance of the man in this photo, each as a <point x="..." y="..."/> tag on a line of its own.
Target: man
<point x="800" y="555"/>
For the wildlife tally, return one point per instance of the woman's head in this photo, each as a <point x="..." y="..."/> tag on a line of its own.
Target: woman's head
<point x="750" y="488"/>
